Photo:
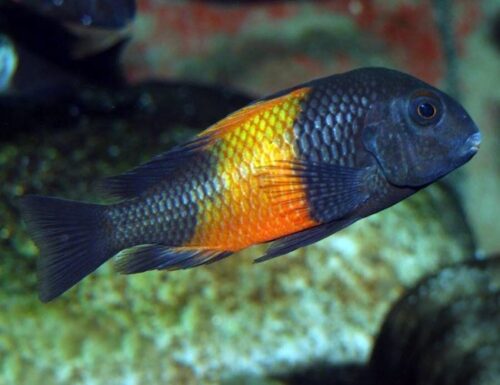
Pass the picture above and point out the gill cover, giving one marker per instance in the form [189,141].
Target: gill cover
[383,137]
[411,150]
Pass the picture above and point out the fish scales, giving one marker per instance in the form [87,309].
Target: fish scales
[174,213]
[167,215]
[331,139]
[242,213]
[233,162]
[289,169]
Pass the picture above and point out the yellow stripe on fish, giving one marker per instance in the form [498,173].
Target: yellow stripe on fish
[246,145]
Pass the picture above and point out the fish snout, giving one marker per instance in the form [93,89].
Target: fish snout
[471,145]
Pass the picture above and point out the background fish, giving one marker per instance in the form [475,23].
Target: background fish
[110,14]
[292,168]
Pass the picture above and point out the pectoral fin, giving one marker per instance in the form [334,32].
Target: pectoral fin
[332,192]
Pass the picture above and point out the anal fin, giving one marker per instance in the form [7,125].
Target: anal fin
[159,257]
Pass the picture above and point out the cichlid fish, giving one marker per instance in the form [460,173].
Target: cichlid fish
[289,169]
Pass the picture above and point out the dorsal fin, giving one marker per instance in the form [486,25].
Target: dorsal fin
[134,182]
[244,114]
[137,180]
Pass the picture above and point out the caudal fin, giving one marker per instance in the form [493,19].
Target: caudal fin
[71,240]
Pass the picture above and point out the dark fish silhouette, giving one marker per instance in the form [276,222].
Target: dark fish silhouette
[109,14]
[70,30]
[292,168]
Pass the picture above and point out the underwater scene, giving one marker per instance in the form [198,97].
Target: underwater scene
[249,192]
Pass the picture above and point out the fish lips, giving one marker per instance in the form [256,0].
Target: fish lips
[472,144]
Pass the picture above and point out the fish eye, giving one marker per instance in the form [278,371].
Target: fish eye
[425,109]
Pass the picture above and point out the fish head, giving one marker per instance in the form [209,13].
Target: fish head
[417,133]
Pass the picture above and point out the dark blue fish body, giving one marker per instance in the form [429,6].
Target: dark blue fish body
[289,169]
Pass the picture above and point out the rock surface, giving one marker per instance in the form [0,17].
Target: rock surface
[445,330]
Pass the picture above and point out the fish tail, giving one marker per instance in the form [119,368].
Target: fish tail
[71,239]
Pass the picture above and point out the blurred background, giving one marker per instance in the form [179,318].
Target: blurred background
[90,89]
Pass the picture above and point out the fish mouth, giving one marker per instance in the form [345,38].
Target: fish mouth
[471,145]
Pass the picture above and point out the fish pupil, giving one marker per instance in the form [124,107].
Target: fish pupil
[426,110]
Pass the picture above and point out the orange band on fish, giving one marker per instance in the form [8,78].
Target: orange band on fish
[243,213]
